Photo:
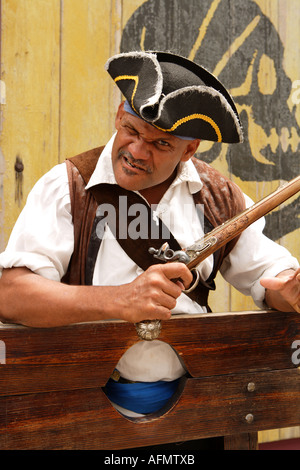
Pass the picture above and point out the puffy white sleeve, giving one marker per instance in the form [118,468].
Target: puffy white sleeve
[255,256]
[42,239]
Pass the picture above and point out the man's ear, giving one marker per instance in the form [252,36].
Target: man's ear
[119,115]
[190,149]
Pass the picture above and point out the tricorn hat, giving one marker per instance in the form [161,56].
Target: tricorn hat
[176,95]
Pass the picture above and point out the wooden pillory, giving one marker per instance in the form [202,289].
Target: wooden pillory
[243,376]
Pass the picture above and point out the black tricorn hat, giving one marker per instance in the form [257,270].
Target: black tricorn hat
[176,95]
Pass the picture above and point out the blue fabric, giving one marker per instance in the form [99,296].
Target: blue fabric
[141,397]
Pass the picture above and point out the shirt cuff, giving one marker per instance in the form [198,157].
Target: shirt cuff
[37,263]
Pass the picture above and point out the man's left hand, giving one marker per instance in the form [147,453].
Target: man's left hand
[283,291]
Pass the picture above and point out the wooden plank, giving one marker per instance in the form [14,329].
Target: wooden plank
[290,36]
[86,45]
[41,378]
[207,344]
[285,17]
[30,70]
[82,343]
[257,135]
[212,406]
[245,441]
[235,343]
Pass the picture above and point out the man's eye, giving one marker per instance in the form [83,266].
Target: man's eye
[163,143]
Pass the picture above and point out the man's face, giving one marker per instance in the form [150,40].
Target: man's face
[145,157]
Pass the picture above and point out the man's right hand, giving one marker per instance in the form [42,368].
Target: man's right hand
[153,294]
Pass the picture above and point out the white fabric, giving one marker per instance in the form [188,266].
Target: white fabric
[42,240]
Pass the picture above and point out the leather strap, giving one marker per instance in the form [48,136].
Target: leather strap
[154,234]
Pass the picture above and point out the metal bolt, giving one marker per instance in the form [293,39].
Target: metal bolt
[251,387]
[249,418]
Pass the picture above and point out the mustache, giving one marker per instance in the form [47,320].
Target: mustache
[134,161]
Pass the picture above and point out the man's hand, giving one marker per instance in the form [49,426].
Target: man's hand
[153,294]
[283,291]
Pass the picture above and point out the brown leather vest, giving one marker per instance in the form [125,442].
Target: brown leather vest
[222,199]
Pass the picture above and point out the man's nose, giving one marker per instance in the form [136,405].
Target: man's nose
[140,149]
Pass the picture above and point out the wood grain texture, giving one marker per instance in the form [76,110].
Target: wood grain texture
[30,39]
[52,396]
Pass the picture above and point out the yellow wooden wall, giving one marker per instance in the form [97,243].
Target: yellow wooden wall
[57,100]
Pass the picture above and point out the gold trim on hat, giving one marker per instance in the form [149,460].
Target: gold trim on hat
[194,116]
[135,78]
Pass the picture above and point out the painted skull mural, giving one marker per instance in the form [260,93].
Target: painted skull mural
[234,40]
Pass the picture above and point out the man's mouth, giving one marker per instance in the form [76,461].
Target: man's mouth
[134,164]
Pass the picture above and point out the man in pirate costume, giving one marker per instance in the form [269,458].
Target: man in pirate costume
[59,269]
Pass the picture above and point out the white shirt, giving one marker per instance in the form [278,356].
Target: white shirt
[42,240]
